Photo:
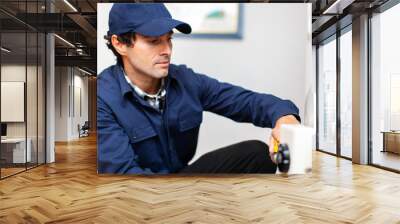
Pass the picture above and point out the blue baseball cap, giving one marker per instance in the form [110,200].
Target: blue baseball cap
[148,19]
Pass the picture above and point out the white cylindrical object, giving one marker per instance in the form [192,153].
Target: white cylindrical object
[299,139]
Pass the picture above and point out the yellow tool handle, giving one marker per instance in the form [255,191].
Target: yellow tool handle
[276,144]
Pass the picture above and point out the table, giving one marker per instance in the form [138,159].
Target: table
[13,150]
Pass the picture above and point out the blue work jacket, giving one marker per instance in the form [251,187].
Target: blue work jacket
[135,138]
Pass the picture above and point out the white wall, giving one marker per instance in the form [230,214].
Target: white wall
[68,81]
[61,103]
[17,72]
[274,56]
[33,126]
[80,83]
[14,72]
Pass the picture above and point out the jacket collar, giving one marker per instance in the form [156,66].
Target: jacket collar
[124,85]
[127,88]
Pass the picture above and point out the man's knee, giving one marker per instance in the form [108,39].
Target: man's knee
[259,152]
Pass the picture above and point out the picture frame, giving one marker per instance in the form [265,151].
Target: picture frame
[210,20]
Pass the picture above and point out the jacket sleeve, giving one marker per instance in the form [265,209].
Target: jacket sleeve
[115,153]
[242,105]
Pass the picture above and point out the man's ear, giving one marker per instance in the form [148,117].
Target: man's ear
[120,47]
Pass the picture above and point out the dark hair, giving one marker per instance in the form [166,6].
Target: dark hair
[125,38]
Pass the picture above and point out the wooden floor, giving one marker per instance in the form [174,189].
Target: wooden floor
[10,171]
[70,191]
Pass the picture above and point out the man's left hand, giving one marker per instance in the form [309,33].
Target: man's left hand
[275,135]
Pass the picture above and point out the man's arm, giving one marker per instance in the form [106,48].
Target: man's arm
[115,153]
[243,105]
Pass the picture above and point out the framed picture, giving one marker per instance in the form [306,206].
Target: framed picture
[210,20]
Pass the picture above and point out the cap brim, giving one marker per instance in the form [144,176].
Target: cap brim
[159,27]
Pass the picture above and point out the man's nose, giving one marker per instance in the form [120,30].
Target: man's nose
[166,48]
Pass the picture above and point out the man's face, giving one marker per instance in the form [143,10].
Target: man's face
[150,55]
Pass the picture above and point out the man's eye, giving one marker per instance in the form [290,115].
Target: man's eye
[153,41]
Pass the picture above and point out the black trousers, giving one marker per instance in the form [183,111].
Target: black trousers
[244,157]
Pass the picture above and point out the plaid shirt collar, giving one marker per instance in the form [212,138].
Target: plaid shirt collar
[152,99]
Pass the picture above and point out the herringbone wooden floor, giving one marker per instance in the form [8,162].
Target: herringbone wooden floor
[70,191]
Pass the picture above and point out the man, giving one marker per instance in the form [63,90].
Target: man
[149,111]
